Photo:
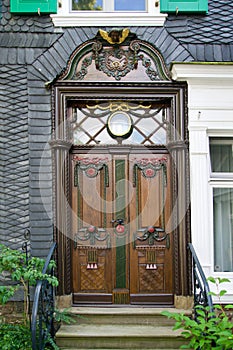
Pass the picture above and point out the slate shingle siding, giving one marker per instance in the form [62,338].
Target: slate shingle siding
[214,28]
[25,113]
[23,24]
[207,37]
[32,52]
[14,165]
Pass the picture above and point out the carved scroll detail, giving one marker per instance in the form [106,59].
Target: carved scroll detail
[91,167]
[149,167]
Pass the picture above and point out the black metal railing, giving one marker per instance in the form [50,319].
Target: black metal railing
[42,320]
[201,288]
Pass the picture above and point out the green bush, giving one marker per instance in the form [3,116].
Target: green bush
[23,272]
[15,337]
[209,330]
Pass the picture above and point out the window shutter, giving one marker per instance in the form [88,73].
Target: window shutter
[33,6]
[184,6]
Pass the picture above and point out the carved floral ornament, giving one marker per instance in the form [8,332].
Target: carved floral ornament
[115,54]
[91,167]
[150,167]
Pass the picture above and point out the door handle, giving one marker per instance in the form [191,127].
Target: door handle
[119,227]
[118,221]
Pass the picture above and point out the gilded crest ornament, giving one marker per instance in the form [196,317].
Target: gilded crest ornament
[115,36]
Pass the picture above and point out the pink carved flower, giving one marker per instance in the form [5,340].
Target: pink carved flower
[91,172]
[149,172]
[120,228]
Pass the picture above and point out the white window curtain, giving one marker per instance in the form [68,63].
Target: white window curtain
[223,229]
[221,156]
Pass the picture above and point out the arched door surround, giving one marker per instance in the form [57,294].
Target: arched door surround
[116,75]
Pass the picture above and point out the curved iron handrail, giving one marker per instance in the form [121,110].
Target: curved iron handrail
[43,308]
[201,287]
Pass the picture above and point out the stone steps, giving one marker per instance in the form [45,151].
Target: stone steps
[126,315]
[119,328]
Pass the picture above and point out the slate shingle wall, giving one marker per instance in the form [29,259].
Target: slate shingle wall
[14,165]
[11,23]
[25,114]
[40,165]
[215,27]
[25,167]
[207,37]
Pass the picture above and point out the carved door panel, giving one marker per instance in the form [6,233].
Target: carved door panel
[151,270]
[92,254]
[122,249]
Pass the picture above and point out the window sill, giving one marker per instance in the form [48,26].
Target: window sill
[122,19]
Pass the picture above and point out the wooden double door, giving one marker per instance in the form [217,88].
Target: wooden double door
[122,214]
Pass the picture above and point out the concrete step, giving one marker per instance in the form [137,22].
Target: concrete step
[120,328]
[118,336]
[124,315]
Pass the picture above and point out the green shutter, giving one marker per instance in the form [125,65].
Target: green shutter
[33,6]
[184,6]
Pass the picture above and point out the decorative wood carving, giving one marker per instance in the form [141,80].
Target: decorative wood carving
[120,296]
[151,279]
[91,167]
[92,279]
[149,167]
[153,234]
[115,36]
[116,54]
[92,235]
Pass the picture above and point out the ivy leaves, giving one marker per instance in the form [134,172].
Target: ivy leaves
[17,268]
[210,330]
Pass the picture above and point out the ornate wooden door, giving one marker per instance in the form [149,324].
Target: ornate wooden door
[115,104]
[121,200]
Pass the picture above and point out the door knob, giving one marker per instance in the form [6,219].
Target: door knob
[118,221]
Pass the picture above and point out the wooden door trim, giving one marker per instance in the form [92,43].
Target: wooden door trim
[64,94]
[152,299]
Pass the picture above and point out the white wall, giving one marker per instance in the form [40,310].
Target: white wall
[210,110]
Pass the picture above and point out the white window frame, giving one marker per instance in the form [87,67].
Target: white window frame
[68,18]
[108,5]
[217,180]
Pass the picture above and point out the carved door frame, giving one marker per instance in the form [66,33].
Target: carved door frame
[176,93]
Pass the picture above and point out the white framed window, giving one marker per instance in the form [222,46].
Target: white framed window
[108,13]
[109,5]
[221,181]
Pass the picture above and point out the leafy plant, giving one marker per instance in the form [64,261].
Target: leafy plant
[22,271]
[15,337]
[209,330]
[6,292]
[65,316]
[18,337]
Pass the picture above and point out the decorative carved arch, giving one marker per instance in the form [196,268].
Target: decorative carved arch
[127,59]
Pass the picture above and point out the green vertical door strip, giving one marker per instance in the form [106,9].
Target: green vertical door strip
[79,197]
[120,214]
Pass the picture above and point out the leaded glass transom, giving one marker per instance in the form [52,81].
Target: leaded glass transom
[149,123]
